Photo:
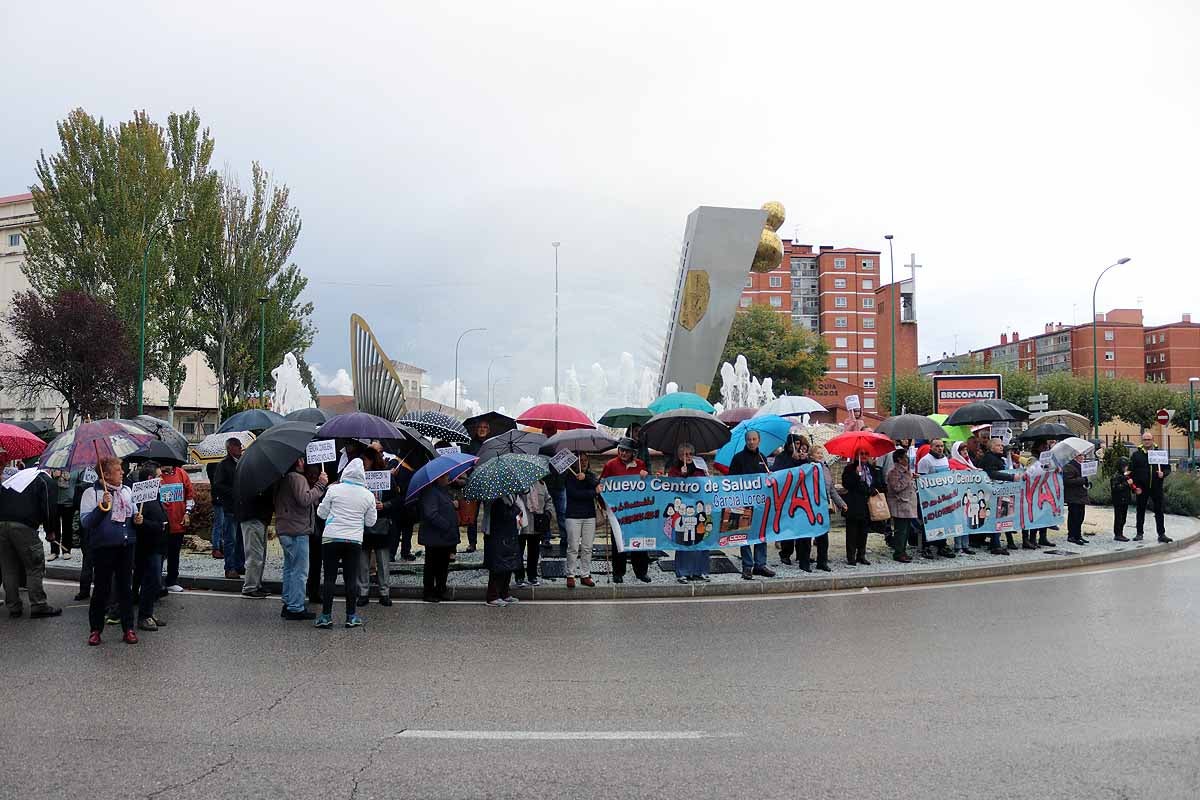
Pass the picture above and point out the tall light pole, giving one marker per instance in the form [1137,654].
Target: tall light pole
[489,378]
[555,246]
[262,345]
[1095,354]
[492,389]
[142,322]
[1192,422]
[892,312]
[456,344]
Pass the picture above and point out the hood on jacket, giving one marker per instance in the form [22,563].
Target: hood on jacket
[354,473]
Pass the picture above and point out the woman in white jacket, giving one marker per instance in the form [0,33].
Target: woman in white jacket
[347,509]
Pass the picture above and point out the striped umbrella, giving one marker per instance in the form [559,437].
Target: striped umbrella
[79,447]
[436,426]
[506,474]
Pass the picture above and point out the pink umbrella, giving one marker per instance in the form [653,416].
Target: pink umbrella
[559,416]
[733,416]
[18,444]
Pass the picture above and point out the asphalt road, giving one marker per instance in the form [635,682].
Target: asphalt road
[1080,685]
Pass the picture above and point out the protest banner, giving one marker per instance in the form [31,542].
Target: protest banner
[321,451]
[1158,457]
[379,480]
[965,502]
[659,513]
[170,493]
[563,461]
[145,491]
[1089,468]
[1041,498]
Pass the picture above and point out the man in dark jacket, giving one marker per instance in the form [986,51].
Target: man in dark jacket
[749,461]
[222,493]
[1075,493]
[21,513]
[148,554]
[1149,479]
[438,535]
[1122,495]
[993,463]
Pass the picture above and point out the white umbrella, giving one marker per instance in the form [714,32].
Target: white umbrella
[1067,449]
[212,448]
[788,406]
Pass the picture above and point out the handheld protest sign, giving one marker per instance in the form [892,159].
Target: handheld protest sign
[145,491]
[379,480]
[1089,468]
[563,460]
[321,451]
[1157,457]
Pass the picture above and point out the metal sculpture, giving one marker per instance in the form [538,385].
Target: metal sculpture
[378,388]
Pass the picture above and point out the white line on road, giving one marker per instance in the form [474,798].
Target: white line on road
[526,736]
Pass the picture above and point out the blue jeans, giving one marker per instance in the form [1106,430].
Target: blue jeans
[295,570]
[559,496]
[689,563]
[754,556]
[218,527]
[962,542]
[231,545]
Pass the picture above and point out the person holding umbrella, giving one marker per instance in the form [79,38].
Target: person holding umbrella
[438,534]
[1037,537]
[470,508]
[836,502]
[690,565]
[502,522]
[538,519]
[1075,494]
[230,547]
[581,525]
[625,462]
[377,538]
[107,513]
[348,508]
[993,463]
[295,502]
[794,454]
[148,554]
[749,461]
[179,515]
[862,480]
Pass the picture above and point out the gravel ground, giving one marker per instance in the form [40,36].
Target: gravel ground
[468,568]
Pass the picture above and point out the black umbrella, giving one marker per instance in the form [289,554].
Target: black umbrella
[980,413]
[252,419]
[314,415]
[515,441]
[1015,410]
[911,426]
[43,428]
[583,440]
[270,457]
[160,451]
[499,423]
[1046,430]
[666,431]
[165,433]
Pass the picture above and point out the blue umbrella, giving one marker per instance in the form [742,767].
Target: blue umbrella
[252,419]
[674,400]
[452,464]
[772,430]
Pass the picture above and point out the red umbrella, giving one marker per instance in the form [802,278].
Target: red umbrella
[732,416]
[559,416]
[849,443]
[18,444]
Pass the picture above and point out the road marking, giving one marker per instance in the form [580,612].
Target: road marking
[528,736]
[1052,574]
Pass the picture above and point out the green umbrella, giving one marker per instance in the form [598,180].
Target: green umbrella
[954,433]
[625,416]
[510,473]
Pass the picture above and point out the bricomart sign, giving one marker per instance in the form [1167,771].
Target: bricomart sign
[952,391]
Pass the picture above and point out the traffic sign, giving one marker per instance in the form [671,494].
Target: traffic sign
[1038,402]
[1163,416]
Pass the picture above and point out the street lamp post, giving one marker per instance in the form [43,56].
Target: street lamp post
[489,378]
[142,317]
[892,312]
[555,246]
[456,344]
[492,388]
[1192,422]
[1095,353]
[262,342]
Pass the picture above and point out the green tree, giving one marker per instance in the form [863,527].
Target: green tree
[794,358]
[914,393]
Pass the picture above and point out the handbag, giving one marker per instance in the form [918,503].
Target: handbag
[541,523]
[877,507]
[468,510]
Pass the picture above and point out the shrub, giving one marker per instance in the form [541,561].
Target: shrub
[1101,492]
[1182,494]
[1113,454]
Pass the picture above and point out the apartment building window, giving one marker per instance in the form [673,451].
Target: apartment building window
[839,283]
[839,263]
[841,363]
[868,363]
[1149,359]
[188,429]
[841,343]
[14,240]
[1110,373]
[776,301]
[745,302]
[1109,355]
[839,302]
[868,302]
[869,404]
[795,282]
[749,281]
[776,281]
[1109,336]
[869,343]
[868,322]
[868,283]
[1162,338]
[868,383]
[839,322]
[868,265]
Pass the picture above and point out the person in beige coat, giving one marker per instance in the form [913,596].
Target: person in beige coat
[295,517]
[902,502]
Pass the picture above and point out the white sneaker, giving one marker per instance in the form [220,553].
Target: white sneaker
[511,600]
[497,603]
[175,588]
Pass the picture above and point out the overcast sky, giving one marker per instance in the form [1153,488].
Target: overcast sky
[435,151]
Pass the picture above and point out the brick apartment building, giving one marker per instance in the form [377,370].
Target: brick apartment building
[838,293]
[1126,347]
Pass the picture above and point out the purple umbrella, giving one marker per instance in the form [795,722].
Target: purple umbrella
[359,425]
[80,447]
[452,464]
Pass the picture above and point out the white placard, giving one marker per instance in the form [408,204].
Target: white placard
[379,480]
[563,460]
[322,451]
[1089,468]
[445,451]
[700,463]
[1158,457]
[853,403]
[1044,457]
[1002,431]
[89,475]
[145,491]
